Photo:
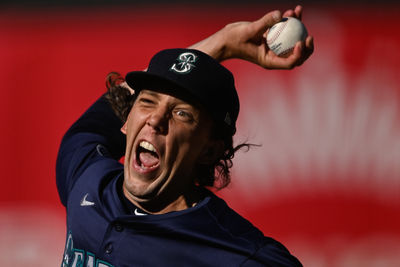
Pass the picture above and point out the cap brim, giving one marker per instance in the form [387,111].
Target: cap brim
[140,80]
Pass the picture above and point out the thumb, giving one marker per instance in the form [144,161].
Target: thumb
[262,24]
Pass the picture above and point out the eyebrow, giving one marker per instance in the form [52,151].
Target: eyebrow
[156,94]
[149,92]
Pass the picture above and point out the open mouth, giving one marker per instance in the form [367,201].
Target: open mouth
[146,156]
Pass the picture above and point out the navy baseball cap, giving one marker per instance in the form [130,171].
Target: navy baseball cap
[196,75]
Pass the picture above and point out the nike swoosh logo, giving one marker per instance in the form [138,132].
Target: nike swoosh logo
[138,213]
[85,202]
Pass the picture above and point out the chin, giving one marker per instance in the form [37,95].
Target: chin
[142,189]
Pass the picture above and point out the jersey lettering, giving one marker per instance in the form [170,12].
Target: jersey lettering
[103,264]
[89,259]
[79,258]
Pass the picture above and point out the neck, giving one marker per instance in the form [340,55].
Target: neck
[161,205]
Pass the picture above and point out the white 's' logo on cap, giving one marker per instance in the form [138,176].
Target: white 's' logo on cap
[185,64]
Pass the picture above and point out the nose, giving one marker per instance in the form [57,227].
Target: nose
[158,120]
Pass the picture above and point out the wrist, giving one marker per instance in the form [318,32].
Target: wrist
[214,46]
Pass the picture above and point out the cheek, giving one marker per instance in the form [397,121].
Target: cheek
[132,128]
[190,143]
[134,122]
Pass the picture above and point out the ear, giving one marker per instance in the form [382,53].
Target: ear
[123,128]
[212,152]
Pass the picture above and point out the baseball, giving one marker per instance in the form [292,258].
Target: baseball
[282,37]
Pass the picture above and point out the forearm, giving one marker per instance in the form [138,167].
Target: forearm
[214,46]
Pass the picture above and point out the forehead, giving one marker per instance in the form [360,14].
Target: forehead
[174,94]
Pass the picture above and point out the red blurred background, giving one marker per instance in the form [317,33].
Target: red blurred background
[326,179]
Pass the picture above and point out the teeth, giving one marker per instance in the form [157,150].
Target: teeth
[147,146]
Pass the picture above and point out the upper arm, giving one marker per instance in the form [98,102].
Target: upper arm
[272,253]
[94,135]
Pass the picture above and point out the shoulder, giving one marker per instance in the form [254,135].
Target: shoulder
[272,253]
[99,183]
[231,221]
[88,165]
[266,250]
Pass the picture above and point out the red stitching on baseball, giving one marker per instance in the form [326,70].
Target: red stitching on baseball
[277,33]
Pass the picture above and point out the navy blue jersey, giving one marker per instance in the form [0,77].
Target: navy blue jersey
[104,229]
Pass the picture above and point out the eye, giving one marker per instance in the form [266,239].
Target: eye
[183,115]
[145,100]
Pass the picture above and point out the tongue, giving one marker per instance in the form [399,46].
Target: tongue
[147,159]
